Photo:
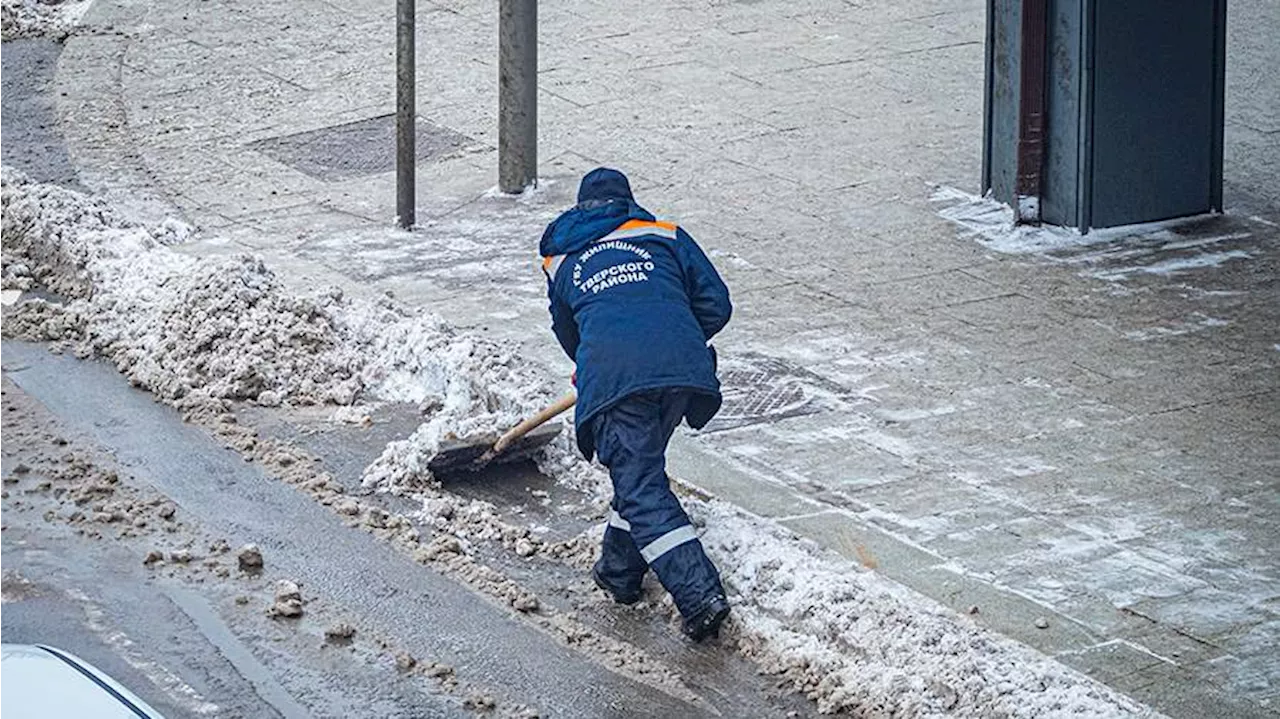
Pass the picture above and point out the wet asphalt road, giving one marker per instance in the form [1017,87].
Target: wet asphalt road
[92,603]
[182,643]
[390,594]
[185,654]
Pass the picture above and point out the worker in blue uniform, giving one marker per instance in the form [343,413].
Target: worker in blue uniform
[635,303]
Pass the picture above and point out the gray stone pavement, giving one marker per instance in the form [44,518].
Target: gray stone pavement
[1082,436]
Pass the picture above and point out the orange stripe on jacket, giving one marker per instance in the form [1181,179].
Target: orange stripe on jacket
[638,224]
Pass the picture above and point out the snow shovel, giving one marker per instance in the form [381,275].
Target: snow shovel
[518,442]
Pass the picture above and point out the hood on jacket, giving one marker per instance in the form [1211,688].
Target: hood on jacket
[604,202]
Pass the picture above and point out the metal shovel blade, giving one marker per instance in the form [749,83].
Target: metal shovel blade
[456,456]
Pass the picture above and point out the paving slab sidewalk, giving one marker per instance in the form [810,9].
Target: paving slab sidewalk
[1080,441]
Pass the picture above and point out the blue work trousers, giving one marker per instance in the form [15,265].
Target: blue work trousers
[648,527]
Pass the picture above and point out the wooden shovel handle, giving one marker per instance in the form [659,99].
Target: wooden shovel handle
[534,422]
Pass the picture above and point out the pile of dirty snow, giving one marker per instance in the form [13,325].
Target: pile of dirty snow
[52,19]
[468,386]
[188,328]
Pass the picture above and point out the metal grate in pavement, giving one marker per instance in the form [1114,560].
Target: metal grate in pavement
[359,149]
[759,389]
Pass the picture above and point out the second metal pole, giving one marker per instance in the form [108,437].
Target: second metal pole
[517,94]
[406,158]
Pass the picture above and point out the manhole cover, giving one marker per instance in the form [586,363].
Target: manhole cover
[760,389]
[358,149]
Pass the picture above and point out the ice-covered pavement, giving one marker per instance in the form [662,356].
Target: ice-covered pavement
[1078,438]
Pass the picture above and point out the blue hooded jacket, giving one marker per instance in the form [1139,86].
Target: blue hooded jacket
[634,303]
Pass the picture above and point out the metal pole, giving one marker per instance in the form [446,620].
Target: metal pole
[517,94]
[405,157]
[988,82]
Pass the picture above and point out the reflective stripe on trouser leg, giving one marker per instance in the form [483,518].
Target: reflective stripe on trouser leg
[631,440]
[621,565]
[688,574]
[667,542]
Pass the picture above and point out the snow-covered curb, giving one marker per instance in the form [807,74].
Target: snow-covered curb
[200,329]
[20,19]
[191,328]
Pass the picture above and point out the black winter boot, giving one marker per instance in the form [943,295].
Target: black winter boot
[706,621]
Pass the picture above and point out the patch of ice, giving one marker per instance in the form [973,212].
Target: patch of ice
[823,435]
[991,223]
[1197,322]
[1173,266]
[730,258]
[897,446]
[1027,466]
[174,687]
[914,414]
[1258,675]
[1157,241]
[534,193]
